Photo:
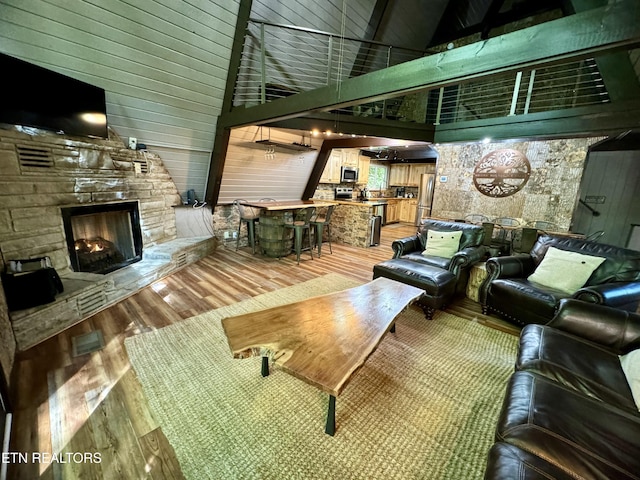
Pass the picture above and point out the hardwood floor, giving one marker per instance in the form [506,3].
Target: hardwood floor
[94,403]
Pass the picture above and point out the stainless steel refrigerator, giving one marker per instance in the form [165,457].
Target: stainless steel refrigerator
[425,196]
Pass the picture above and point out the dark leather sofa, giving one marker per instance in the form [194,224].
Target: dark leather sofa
[568,411]
[471,249]
[507,292]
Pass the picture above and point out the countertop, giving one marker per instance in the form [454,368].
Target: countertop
[291,205]
[370,201]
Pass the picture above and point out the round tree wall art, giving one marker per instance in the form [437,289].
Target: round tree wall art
[501,173]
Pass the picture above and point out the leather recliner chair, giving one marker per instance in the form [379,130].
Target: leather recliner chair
[507,292]
[471,249]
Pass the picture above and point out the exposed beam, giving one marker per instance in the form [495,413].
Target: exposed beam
[605,119]
[325,151]
[221,138]
[618,74]
[576,36]
[347,124]
[369,34]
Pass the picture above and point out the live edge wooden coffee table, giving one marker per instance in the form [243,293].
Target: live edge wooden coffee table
[323,340]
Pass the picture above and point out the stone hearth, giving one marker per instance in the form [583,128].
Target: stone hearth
[42,173]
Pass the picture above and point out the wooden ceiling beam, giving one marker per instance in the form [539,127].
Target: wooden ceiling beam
[592,121]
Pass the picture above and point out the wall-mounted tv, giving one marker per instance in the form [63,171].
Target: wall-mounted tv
[37,97]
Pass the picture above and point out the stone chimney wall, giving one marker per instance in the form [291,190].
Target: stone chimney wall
[41,172]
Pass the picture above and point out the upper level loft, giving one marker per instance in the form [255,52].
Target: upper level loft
[557,77]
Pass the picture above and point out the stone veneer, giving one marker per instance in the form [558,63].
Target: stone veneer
[40,173]
[350,225]
[550,194]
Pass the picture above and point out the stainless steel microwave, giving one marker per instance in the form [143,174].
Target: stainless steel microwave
[348,174]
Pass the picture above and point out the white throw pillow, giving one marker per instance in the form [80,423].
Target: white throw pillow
[442,244]
[631,367]
[565,271]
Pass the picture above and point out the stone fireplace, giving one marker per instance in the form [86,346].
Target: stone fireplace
[104,214]
[103,238]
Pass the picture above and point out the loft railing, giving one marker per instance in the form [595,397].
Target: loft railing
[282,60]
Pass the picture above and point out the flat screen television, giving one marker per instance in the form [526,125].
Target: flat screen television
[37,97]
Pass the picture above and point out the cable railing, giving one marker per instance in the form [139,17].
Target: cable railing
[281,60]
[569,85]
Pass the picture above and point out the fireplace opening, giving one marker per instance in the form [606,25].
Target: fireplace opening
[103,238]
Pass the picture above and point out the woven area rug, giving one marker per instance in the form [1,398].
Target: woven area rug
[425,404]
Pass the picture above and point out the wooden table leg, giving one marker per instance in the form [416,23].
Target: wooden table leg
[330,428]
[265,366]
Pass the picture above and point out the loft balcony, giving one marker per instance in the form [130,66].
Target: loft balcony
[280,61]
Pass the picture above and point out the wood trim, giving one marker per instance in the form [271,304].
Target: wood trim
[605,119]
[221,139]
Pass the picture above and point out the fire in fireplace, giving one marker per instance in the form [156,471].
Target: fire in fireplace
[103,238]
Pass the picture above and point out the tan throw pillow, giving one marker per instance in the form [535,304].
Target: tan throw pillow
[442,244]
[630,364]
[565,271]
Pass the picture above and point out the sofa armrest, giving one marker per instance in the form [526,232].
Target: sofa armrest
[405,245]
[615,294]
[466,257]
[611,327]
[514,266]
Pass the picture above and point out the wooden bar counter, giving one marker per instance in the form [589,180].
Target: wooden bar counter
[271,231]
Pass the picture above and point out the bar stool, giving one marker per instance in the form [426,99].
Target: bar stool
[250,216]
[299,227]
[319,222]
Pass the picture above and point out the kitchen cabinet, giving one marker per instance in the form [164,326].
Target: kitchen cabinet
[392,211]
[418,169]
[363,169]
[398,175]
[350,157]
[408,209]
[331,173]
[409,175]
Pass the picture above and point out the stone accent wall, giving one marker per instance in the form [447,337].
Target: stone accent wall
[349,225]
[7,340]
[41,173]
[550,194]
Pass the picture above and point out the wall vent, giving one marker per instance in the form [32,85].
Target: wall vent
[37,157]
[141,166]
[181,259]
[91,302]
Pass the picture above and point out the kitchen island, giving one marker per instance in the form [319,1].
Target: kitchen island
[275,241]
[351,221]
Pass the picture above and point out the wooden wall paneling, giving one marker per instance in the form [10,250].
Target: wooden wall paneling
[251,173]
[304,53]
[615,176]
[163,67]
